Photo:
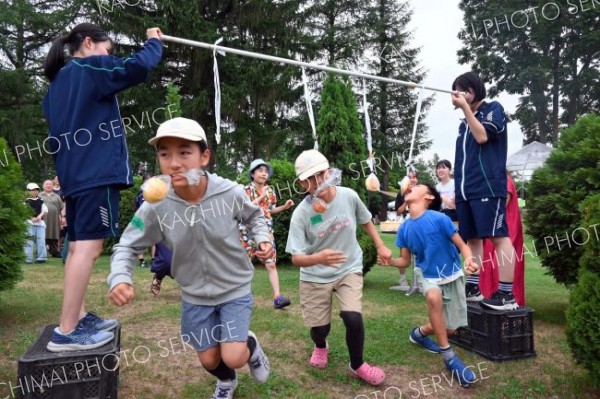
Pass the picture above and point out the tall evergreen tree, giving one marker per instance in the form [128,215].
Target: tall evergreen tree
[339,130]
[26,27]
[394,106]
[548,53]
[335,31]
[257,97]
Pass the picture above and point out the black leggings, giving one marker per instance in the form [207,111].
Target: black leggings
[355,336]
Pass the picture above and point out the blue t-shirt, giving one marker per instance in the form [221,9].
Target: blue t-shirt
[428,237]
[86,135]
[480,169]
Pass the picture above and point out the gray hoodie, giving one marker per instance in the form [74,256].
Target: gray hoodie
[209,262]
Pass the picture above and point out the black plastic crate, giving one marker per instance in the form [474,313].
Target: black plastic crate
[90,374]
[497,335]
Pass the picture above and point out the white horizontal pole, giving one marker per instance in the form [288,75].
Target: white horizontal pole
[251,54]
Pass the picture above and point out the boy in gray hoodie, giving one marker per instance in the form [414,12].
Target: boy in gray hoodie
[200,225]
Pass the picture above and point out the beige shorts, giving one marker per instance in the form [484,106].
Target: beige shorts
[317,299]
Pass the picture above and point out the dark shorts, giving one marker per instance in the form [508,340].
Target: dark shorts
[451,213]
[93,214]
[482,218]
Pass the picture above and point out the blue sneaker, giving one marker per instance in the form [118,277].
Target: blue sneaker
[281,302]
[427,343]
[79,339]
[92,321]
[465,376]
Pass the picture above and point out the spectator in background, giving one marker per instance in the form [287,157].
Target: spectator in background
[56,187]
[160,266]
[446,189]
[36,226]
[52,218]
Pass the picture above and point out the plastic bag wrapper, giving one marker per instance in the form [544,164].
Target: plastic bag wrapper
[156,188]
[404,184]
[333,177]
[372,183]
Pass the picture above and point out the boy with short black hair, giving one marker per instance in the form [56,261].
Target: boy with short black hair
[432,237]
[199,223]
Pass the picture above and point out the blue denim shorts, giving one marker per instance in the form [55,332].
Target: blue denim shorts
[205,327]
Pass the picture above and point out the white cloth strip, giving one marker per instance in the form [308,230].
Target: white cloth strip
[415,125]
[368,126]
[309,108]
[217,91]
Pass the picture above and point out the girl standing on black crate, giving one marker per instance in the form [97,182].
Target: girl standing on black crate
[87,141]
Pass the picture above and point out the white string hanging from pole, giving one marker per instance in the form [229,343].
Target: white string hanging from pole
[309,108]
[405,182]
[368,126]
[415,126]
[217,91]
[372,182]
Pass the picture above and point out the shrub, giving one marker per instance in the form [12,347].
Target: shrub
[13,219]
[583,313]
[555,192]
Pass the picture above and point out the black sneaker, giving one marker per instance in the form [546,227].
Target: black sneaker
[143,263]
[472,293]
[501,301]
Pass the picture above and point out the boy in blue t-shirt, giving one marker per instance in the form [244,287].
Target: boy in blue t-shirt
[433,238]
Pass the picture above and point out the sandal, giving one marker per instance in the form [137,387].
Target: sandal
[370,374]
[319,357]
[155,286]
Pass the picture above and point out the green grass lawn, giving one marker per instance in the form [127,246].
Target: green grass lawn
[155,364]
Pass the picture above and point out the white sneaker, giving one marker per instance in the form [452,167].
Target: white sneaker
[225,389]
[258,362]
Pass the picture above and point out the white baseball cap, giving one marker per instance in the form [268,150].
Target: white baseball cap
[310,162]
[182,128]
[32,186]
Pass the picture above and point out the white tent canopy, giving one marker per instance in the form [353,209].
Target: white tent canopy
[528,158]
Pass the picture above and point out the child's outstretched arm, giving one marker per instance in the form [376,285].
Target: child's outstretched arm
[470,265]
[288,204]
[383,252]
[142,232]
[402,262]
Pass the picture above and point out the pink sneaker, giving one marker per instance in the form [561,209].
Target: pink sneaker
[319,357]
[371,374]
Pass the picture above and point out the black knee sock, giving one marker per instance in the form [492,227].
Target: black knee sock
[355,337]
[319,335]
[223,372]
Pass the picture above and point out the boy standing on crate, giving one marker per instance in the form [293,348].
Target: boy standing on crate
[433,238]
[199,223]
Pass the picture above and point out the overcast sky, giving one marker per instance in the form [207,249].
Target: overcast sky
[435,25]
